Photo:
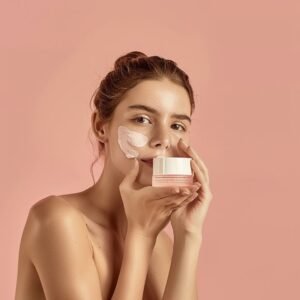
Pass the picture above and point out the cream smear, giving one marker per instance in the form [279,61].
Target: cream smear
[128,138]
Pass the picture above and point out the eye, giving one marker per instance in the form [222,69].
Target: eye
[141,118]
[183,127]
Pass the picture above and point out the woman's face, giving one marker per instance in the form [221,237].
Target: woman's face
[148,122]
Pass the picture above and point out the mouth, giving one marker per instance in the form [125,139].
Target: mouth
[148,162]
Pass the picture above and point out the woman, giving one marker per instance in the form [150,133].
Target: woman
[107,242]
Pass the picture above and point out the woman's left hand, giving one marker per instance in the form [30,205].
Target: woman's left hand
[190,217]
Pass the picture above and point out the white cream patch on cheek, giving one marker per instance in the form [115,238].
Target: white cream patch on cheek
[128,138]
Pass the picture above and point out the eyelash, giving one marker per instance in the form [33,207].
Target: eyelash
[142,117]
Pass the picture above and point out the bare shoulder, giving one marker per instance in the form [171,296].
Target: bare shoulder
[51,206]
[51,214]
[56,243]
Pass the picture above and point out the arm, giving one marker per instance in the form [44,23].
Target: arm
[137,254]
[58,246]
[182,279]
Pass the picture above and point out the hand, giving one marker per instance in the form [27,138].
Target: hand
[190,218]
[149,208]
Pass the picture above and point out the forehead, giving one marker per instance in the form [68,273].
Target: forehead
[163,95]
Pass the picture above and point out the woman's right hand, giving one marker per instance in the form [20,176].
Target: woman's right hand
[148,209]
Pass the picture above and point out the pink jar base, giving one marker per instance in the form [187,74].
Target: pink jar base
[172,180]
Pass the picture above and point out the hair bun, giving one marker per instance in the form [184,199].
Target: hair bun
[131,56]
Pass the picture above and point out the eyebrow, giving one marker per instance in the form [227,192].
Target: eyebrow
[154,111]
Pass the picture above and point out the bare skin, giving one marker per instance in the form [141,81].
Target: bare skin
[73,245]
[105,254]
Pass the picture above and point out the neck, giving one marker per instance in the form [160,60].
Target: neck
[105,200]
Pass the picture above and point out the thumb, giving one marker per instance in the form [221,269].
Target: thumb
[132,174]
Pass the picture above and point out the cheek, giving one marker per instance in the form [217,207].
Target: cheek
[176,136]
[127,139]
[121,163]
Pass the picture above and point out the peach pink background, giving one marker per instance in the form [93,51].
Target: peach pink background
[243,61]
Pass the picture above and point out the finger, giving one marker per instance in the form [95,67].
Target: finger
[184,202]
[200,177]
[132,174]
[174,201]
[193,154]
[190,189]
[189,199]
[161,191]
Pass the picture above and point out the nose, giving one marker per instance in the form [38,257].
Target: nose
[161,139]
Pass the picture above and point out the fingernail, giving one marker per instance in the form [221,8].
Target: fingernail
[185,192]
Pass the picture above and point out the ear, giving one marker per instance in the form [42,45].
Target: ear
[99,128]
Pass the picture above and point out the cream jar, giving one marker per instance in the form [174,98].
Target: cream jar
[172,171]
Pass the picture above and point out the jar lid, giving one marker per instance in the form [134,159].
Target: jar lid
[163,165]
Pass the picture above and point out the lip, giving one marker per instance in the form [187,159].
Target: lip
[148,161]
